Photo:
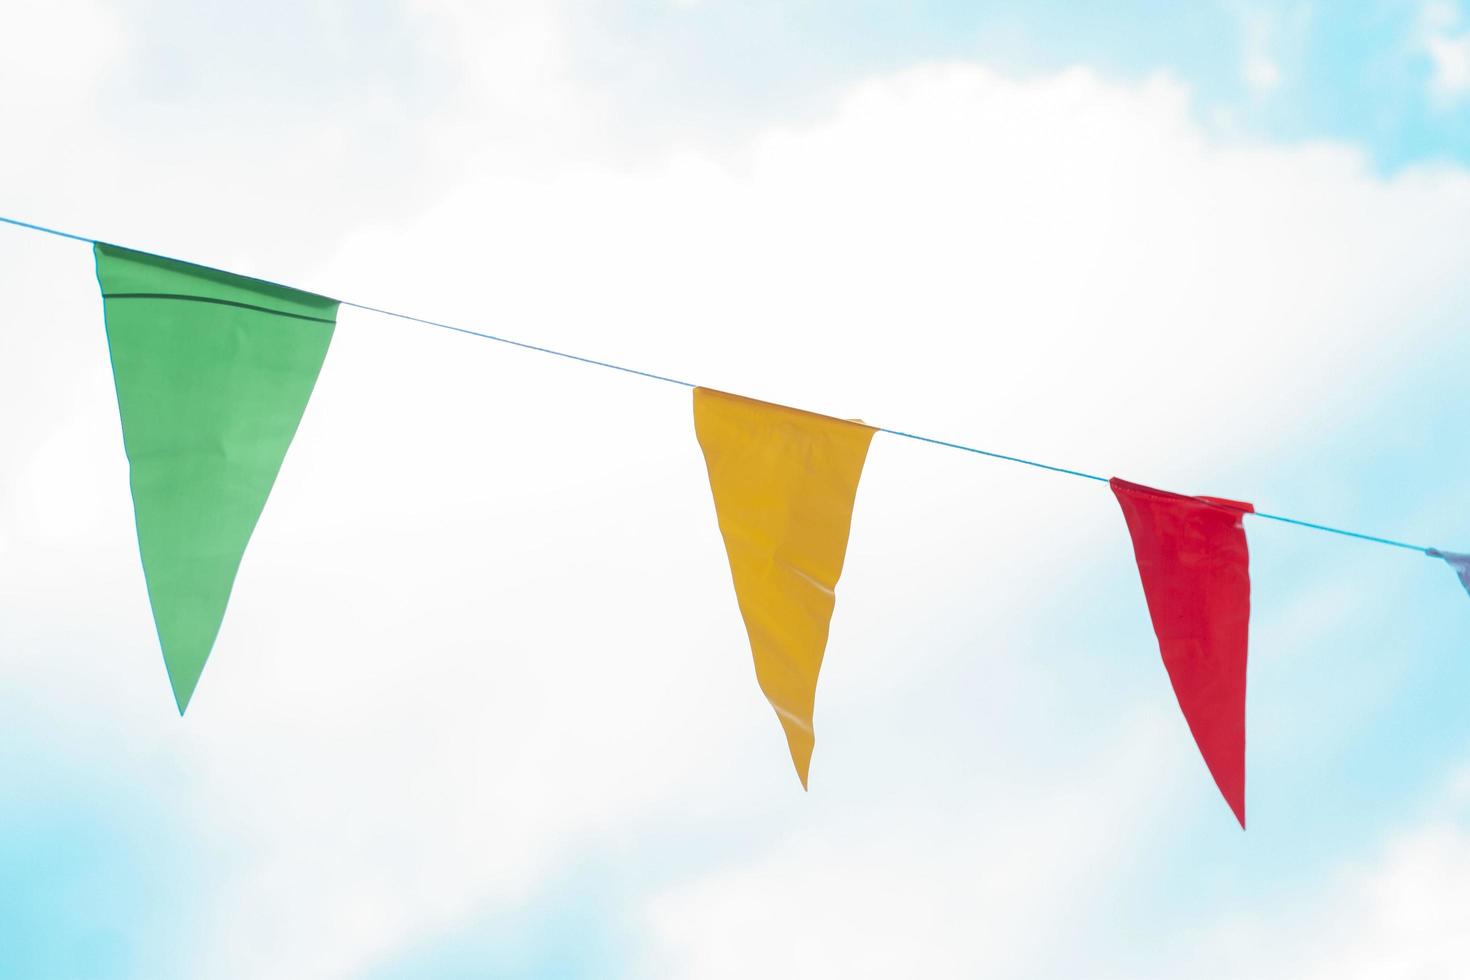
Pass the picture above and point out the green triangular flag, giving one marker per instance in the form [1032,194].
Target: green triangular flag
[213,373]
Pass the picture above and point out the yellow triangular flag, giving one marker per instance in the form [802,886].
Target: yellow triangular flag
[784,482]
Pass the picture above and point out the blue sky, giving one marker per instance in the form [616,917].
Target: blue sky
[1359,72]
[482,705]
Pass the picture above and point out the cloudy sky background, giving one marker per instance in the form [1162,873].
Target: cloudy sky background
[483,703]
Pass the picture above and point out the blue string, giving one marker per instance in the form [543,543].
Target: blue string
[520,343]
[1350,534]
[48,231]
[402,316]
[675,381]
[986,452]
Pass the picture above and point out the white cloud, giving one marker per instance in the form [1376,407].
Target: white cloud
[485,625]
[904,891]
[1400,913]
[1448,49]
[1451,58]
[1406,916]
[916,887]
[1258,66]
[1260,72]
[57,52]
[1272,41]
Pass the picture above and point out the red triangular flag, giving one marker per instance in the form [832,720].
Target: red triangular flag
[1196,577]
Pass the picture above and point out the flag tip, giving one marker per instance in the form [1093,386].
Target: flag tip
[182,696]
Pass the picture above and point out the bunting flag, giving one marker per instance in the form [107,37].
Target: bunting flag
[1192,557]
[784,482]
[1460,563]
[213,372]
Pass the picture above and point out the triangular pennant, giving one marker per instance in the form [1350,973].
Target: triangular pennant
[784,482]
[213,373]
[1192,557]
[1460,563]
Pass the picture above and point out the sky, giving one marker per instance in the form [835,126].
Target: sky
[482,704]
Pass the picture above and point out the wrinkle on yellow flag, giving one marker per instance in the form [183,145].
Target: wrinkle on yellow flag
[784,481]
